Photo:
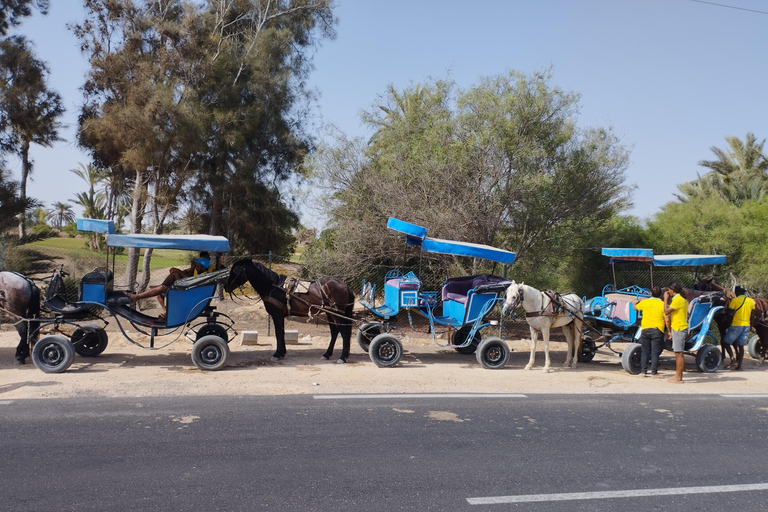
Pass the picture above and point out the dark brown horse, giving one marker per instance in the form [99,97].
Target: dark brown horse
[759,322]
[328,296]
[722,317]
[21,298]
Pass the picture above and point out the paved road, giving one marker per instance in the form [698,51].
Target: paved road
[324,453]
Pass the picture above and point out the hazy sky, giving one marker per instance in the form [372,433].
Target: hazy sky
[671,77]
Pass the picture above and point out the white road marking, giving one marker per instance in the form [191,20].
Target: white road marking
[5,402]
[422,395]
[744,396]
[637,493]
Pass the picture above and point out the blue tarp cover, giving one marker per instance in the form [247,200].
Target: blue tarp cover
[417,235]
[181,242]
[96,225]
[466,249]
[667,260]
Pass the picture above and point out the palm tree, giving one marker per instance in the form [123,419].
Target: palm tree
[29,109]
[61,214]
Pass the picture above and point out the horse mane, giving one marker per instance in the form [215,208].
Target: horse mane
[272,277]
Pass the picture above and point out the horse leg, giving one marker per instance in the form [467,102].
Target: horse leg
[346,336]
[279,322]
[22,349]
[545,340]
[568,333]
[534,339]
[334,332]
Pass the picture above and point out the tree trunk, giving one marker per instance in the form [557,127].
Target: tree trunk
[25,168]
[137,211]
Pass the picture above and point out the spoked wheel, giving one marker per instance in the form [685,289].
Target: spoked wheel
[89,340]
[460,337]
[385,350]
[212,329]
[630,358]
[366,333]
[493,353]
[53,354]
[210,353]
[588,349]
[708,358]
[755,347]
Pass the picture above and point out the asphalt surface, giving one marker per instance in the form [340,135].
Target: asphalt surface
[384,453]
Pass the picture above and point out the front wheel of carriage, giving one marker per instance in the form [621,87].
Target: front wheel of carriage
[708,358]
[754,347]
[588,349]
[385,350]
[460,338]
[53,354]
[210,353]
[89,340]
[366,333]
[493,353]
[630,358]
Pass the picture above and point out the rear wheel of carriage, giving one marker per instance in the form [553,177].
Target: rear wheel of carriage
[460,337]
[588,349]
[210,353]
[53,354]
[630,358]
[755,347]
[493,353]
[366,333]
[385,350]
[212,329]
[708,358]
[89,340]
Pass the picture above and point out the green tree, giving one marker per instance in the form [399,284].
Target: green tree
[501,163]
[11,12]
[61,214]
[29,111]
[11,205]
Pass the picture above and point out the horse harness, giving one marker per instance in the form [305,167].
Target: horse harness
[292,286]
[555,307]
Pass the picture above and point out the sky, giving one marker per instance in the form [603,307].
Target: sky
[671,78]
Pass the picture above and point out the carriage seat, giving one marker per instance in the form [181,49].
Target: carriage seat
[404,284]
[622,312]
[204,279]
[458,288]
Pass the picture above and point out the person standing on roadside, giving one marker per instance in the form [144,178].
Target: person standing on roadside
[736,334]
[652,331]
[676,306]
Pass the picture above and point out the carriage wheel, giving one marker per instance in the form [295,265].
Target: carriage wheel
[630,358]
[493,353]
[588,349]
[213,329]
[460,337]
[210,353]
[755,347]
[385,350]
[708,358]
[89,340]
[53,354]
[366,333]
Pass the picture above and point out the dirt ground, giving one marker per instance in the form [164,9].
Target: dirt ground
[127,370]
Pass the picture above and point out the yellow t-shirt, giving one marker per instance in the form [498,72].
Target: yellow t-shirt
[743,306]
[679,316]
[653,313]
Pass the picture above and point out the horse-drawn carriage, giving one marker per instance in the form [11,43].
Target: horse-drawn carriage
[187,300]
[462,306]
[612,317]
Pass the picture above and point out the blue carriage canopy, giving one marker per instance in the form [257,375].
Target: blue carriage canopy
[667,260]
[141,241]
[417,235]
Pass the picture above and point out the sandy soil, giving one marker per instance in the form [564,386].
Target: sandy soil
[127,370]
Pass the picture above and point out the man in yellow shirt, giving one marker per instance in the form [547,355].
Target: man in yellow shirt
[742,307]
[652,331]
[676,306]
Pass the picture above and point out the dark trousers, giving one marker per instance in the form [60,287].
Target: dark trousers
[652,343]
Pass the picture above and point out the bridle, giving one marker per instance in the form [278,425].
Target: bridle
[516,300]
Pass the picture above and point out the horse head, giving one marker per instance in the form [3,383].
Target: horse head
[238,275]
[513,298]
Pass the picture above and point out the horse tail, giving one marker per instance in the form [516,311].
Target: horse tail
[33,311]
[350,305]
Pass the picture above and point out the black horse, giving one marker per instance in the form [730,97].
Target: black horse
[328,296]
[21,298]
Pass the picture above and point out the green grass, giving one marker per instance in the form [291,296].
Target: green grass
[76,248]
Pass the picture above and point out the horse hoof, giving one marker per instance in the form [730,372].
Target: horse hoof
[527,367]
[341,361]
[275,359]
[545,370]
[324,357]
[19,362]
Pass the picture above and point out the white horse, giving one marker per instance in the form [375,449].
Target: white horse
[543,314]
